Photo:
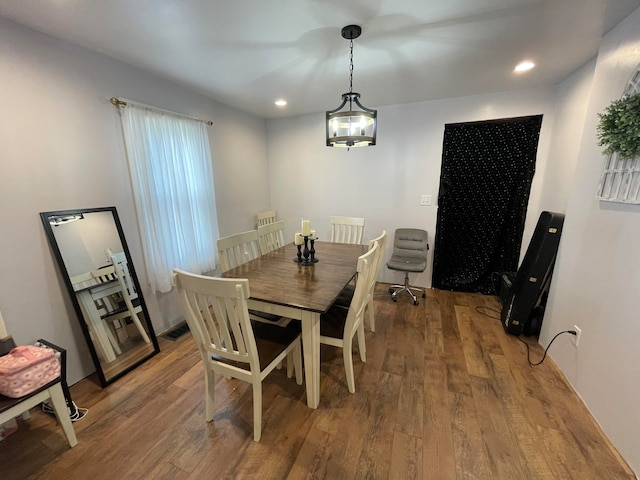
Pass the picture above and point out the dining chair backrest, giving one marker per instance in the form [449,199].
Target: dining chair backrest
[382,242]
[265,218]
[104,274]
[237,249]
[271,236]
[347,229]
[121,270]
[83,280]
[218,318]
[366,278]
[109,302]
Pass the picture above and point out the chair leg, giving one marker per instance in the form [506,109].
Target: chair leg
[209,387]
[372,319]
[257,410]
[395,289]
[290,365]
[59,404]
[141,330]
[347,355]
[362,346]
[294,363]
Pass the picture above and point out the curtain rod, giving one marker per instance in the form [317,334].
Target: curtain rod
[122,102]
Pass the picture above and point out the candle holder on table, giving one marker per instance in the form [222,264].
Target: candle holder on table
[307,255]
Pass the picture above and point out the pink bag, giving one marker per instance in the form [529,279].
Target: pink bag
[27,368]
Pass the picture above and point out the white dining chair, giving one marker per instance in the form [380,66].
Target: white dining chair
[347,229]
[229,342]
[271,236]
[265,218]
[132,306]
[234,250]
[338,325]
[344,299]
[237,249]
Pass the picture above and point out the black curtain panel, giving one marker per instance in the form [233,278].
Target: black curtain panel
[487,169]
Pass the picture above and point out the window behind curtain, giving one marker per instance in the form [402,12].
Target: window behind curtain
[172,177]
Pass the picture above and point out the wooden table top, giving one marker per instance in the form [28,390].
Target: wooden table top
[276,278]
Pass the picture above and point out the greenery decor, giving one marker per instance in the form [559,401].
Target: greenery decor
[619,127]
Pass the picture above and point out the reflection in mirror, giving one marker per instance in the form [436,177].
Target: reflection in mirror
[94,260]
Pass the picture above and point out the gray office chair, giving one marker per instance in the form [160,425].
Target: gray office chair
[410,247]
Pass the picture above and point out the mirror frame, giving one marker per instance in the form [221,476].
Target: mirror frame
[74,300]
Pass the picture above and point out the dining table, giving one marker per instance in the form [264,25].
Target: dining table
[281,286]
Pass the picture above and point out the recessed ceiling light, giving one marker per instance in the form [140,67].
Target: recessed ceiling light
[524,66]
[281,102]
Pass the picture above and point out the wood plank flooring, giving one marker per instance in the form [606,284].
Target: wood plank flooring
[444,394]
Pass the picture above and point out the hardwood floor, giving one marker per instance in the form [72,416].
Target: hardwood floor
[444,394]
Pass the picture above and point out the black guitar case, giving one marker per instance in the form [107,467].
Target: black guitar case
[524,304]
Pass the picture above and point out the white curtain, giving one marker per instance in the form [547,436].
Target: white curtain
[172,177]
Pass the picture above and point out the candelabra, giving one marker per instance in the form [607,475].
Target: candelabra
[307,255]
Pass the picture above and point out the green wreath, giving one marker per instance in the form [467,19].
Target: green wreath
[619,127]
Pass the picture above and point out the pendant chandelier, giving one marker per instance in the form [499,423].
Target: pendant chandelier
[351,124]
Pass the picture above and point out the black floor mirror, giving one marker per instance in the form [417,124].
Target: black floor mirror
[91,251]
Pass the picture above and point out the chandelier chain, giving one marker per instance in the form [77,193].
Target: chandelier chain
[350,66]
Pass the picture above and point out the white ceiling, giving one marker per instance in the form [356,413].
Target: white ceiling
[248,53]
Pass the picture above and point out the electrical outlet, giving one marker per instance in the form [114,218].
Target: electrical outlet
[425,200]
[576,337]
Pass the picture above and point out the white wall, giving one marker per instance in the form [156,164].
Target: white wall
[61,148]
[384,183]
[597,275]
[572,100]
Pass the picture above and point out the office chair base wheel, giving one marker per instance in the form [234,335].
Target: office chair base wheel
[394,290]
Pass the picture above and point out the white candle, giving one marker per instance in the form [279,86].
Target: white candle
[312,235]
[298,239]
[306,227]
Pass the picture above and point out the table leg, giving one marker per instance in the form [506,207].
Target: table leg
[311,350]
